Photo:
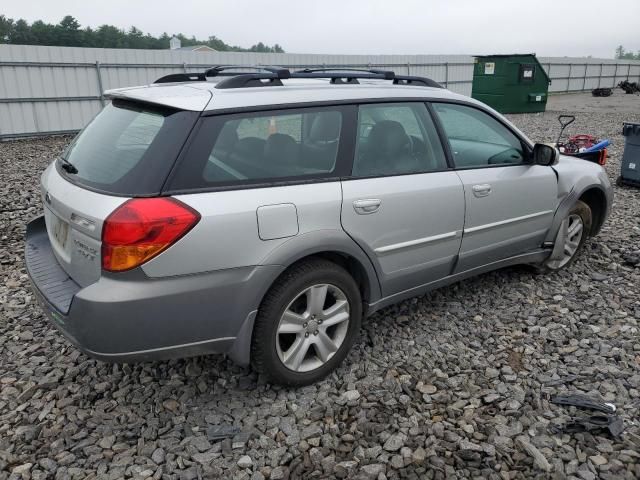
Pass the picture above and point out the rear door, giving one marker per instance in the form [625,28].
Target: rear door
[510,202]
[402,204]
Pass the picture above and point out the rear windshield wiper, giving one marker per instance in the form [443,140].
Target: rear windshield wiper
[67,166]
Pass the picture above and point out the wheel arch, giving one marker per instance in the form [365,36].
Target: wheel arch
[596,200]
[332,245]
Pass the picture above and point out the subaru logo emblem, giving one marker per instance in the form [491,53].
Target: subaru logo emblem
[47,198]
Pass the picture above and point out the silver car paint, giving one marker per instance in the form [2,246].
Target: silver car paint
[409,238]
[183,97]
[228,237]
[510,214]
[221,269]
[575,177]
[84,211]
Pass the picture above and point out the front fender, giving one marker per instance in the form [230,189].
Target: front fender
[575,177]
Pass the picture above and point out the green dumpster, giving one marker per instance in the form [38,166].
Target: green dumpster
[511,83]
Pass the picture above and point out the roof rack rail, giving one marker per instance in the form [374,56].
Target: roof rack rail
[267,76]
[413,80]
[220,70]
[351,76]
[268,72]
[182,77]
[388,74]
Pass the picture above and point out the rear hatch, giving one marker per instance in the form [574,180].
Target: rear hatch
[126,151]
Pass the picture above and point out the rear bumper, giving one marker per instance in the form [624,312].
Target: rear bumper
[131,317]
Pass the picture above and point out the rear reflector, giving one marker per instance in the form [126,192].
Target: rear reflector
[141,228]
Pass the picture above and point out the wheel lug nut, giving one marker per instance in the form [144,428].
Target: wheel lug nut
[319,321]
[306,334]
[304,325]
[316,332]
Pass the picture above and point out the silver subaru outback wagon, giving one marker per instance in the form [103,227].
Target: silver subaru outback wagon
[263,213]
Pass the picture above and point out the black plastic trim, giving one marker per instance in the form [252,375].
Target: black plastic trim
[51,281]
[182,77]
[444,140]
[250,80]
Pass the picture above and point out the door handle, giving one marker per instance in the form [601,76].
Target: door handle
[367,206]
[481,190]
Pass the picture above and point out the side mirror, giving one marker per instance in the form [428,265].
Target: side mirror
[545,154]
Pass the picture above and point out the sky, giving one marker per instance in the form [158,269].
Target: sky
[545,27]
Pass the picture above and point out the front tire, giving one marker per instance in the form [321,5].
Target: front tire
[573,233]
[306,323]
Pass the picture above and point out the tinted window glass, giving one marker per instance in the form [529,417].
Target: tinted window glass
[128,148]
[476,138]
[258,146]
[396,138]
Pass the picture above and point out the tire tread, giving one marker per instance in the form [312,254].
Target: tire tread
[270,306]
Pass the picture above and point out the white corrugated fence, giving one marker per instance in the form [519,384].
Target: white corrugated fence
[47,90]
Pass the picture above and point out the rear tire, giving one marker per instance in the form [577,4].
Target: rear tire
[577,228]
[306,324]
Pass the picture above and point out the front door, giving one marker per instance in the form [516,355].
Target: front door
[401,204]
[509,201]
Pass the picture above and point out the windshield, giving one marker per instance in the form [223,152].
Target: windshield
[128,148]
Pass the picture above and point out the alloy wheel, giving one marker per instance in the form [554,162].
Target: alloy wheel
[313,327]
[574,229]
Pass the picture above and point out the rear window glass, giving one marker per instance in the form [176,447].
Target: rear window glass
[128,148]
[258,147]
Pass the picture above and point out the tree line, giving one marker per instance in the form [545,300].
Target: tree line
[622,53]
[69,33]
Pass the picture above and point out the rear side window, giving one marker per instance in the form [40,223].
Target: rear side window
[260,147]
[396,139]
[129,148]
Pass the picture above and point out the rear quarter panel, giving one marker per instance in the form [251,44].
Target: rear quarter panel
[227,236]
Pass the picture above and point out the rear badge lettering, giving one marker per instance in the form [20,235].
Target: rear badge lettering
[85,250]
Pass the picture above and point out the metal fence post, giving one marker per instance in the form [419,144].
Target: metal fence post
[600,75]
[628,71]
[569,77]
[99,77]
[584,79]
[184,67]
[446,74]
[615,75]
[408,68]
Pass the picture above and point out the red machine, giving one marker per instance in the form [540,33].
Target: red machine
[577,144]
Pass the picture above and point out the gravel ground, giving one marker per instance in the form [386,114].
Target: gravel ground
[455,383]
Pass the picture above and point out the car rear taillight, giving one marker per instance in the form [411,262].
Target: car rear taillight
[141,228]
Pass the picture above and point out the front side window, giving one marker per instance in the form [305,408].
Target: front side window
[396,139]
[477,139]
[262,146]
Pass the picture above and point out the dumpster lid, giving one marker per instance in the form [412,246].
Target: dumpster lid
[506,55]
